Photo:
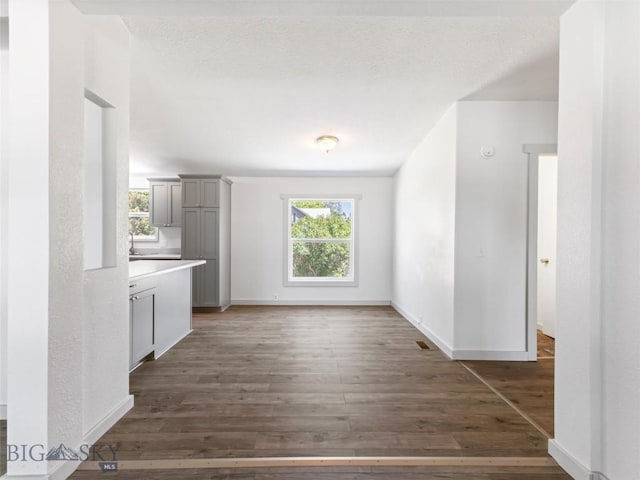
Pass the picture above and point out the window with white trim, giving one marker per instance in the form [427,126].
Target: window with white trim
[321,241]
[139,222]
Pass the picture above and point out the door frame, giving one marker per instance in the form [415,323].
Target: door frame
[533,151]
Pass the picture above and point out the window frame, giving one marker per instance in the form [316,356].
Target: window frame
[291,281]
[150,239]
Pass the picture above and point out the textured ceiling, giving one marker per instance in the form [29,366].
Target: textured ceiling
[248,95]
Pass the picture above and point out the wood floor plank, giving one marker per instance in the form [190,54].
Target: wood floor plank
[323,382]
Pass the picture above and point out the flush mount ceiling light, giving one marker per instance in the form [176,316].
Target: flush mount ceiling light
[327,142]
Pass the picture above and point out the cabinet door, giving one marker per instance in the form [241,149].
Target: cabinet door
[210,192]
[158,204]
[209,281]
[175,204]
[209,245]
[142,309]
[191,233]
[191,193]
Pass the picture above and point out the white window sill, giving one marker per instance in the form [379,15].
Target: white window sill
[321,283]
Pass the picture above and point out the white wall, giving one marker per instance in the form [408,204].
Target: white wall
[106,310]
[257,243]
[621,246]
[68,329]
[597,355]
[28,291]
[424,227]
[4,198]
[577,385]
[491,221]
[460,249]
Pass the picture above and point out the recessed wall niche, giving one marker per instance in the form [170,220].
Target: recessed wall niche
[99,196]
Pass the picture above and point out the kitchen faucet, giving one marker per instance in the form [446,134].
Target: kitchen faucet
[131,251]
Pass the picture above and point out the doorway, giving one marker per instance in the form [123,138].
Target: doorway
[547,234]
[541,246]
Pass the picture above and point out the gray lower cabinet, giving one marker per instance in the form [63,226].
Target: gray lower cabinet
[205,291]
[159,313]
[206,225]
[141,316]
[173,309]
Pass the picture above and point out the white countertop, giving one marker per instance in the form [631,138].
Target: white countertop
[149,268]
[155,256]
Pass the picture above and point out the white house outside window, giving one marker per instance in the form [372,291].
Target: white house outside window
[321,240]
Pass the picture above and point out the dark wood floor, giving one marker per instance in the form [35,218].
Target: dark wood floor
[546,346]
[529,385]
[319,381]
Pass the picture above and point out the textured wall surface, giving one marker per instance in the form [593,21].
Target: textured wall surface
[621,246]
[66,321]
[105,346]
[578,333]
[69,328]
[4,200]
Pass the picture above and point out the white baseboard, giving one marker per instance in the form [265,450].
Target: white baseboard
[441,344]
[572,465]
[495,355]
[92,436]
[452,353]
[312,303]
[3,412]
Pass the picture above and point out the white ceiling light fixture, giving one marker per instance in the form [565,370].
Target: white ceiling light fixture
[327,142]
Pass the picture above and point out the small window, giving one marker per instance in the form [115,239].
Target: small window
[321,242]
[139,216]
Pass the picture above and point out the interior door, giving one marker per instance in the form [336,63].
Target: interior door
[547,237]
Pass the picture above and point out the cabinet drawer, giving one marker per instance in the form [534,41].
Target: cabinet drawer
[141,319]
[137,286]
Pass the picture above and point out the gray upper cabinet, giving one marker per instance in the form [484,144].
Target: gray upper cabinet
[165,202]
[191,193]
[175,204]
[206,226]
[200,192]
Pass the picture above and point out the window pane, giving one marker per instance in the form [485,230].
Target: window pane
[330,260]
[320,219]
[140,227]
[139,200]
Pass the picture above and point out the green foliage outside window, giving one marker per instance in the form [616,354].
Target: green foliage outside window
[321,259]
[139,201]
[139,214]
